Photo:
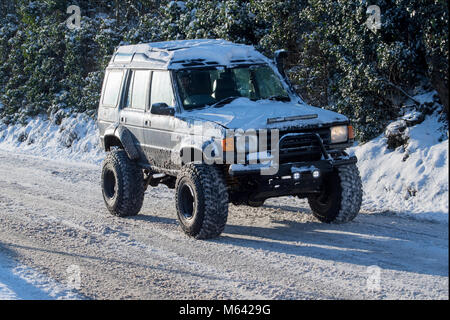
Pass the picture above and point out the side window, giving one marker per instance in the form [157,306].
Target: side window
[162,88]
[137,94]
[112,87]
[129,91]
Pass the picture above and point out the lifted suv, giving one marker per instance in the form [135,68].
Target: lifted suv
[220,123]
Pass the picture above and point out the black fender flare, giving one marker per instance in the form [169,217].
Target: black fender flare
[126,140]
[203,151]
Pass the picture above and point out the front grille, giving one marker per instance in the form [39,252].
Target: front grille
[298,148]
[295,148]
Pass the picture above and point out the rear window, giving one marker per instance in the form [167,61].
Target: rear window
[112,87]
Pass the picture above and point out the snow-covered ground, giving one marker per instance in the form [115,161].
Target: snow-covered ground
[53,217]
[20,282]
[74,139]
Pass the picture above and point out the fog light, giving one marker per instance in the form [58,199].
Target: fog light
[296,176]
[316,174]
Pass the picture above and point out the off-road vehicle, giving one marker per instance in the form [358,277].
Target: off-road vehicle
[218,122]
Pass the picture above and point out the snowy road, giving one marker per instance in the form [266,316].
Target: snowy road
[52,217]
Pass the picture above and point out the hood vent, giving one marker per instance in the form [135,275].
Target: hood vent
[293,118]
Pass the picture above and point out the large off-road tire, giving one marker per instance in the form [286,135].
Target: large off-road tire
[341,196]
[201,201]
[122,184]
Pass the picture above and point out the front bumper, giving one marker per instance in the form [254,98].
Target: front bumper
[324,166]
[297,178]
[273,167]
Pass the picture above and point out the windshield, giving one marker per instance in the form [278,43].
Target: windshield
[201,87]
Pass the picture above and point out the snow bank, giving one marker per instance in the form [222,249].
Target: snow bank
[410,180]
[76,138]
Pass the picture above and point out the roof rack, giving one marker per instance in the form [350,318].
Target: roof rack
[187,53]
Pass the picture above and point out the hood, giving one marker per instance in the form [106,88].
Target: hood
[245,114]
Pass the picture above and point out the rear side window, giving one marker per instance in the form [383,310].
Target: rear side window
[112,87]
[138,90]
[162,88]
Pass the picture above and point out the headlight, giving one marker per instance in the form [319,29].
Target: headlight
[339,134]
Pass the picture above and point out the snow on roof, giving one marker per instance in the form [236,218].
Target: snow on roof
[188,53]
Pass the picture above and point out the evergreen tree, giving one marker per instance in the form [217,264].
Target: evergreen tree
[335,61]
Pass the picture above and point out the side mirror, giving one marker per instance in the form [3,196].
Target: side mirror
[280,55]
[162,109]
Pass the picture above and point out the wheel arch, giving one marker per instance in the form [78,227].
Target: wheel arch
[121,137]
[190,154]
[112,141]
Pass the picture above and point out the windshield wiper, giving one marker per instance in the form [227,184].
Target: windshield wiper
[279,98]
[225,101]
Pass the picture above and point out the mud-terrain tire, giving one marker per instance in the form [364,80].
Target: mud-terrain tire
[122,184]
[341,196]
[201,201]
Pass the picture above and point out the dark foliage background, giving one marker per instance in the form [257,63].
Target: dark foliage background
[336,62]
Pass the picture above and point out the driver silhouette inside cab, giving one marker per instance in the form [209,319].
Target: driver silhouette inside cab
[195,88]
[225,86]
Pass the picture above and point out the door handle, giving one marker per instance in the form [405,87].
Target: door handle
[123,119]
[147,123]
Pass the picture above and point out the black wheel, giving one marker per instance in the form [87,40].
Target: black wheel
[341,196]
[201,201]
[122,184]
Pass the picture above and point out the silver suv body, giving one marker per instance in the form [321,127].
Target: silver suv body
[177,104]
